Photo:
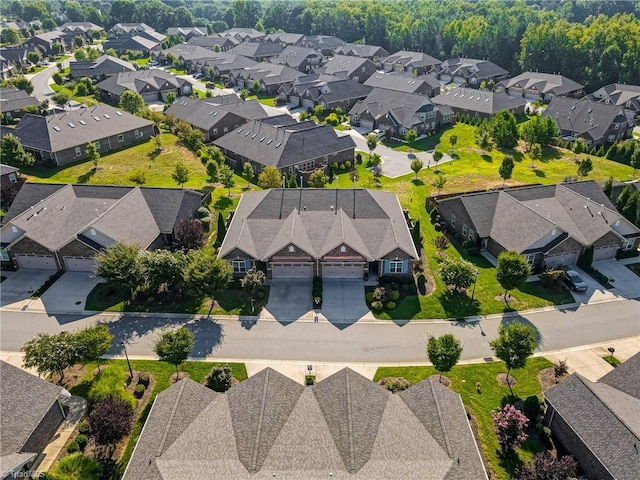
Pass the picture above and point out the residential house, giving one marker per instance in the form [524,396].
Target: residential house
[183,54]
[85,29]
[479,103]
[627,96]
[470,71]
[258,51]
[328,233]
[597,123]
[187,33]
[243,34]
[343,427]
[154,85]
[541,86]
[355,68]
[223,44]
[12,102]
[283,38]
[30,413]
[138,37]
[62,227]
[373,52]
[597,422]
[283,143]
[224,63]
[216,119]
[406,82]
[325,44]
[551,225]
[397,112]
[11,60]
[43,42]
[270,76]
[59,139]
[100,68]
[413,62]
[327,90]
[301,58]
[17,25]
[617,188]
[8,174]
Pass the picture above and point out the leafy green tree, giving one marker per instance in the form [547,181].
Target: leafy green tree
[60,99]
[92,343]
[80,55]
[180,174]
[221,229]
[174,346]
[270,178]
[512,270]
[607,188]
[439,182]
[162,269]
[246,13]
[50,354]
[206,273]
[584,167]
[504,130]
[57,78]
[506,168]
[170,99]
[318,110]
[111,419]
[453,139]
[318,179]
[456,273]
[57,48]
[11,36]
[219,378]
[92,154]
[212,170]
[483,137]
[514,344]
[247,172]
[244,93]
[535,153]
[411,136]
[132,102]
[375,160]
[372,142]
[437,156]
[34,56]
[225,177]
[120,264]
[253,280]
[21,83]
[444,352]
[416,166]
[635,159]
[13,153]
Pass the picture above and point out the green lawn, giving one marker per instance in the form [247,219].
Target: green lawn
[426,143]
[161,373]
[88,100]
[611,360]
[493,395]
[264,98]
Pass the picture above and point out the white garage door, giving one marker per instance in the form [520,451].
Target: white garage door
[554,261]
[308,103]
[342,270]
[44,262]
[604,253]
[79,264]
[445,78]
[292,270]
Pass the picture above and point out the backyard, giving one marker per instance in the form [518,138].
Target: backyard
[492,396]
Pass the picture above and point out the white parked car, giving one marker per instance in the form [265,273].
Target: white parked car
[379,133]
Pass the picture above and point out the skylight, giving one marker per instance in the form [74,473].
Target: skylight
[71,124]
[82,122]
[106,115]
[278,144]
[269,141]
[262,139]
[254,135]
[119,113]
[239,130]
[97,119]
[56,128]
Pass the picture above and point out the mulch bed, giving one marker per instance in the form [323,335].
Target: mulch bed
[72,376]
[548,379]
[502,380]
[179,376]
[444,381]
[508,300]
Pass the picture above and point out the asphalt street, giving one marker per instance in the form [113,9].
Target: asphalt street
[382,342]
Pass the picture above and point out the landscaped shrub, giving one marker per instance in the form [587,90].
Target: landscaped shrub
[342,167]
[422,281]
[553,279]
[376,306]
[334,165]
[380,294]
[143,378]
[391,305]
[437,227]
[309,379]
[75,466]
[413,289]
[219,378]
[110,420]
[347,164]
[359,158]
[73,447]
[405,287]
[395,384]
[369,297]
[586,258]
[110,383]
[531,407]
[394,295]
[81,440]
[139,391]
[202,212]
[206,223]
[560,368]
[83,427]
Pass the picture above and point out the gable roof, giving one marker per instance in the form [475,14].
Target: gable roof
[225,62]
[409,59]
[403,81]
[267,73]
[251,33]
[317,221]
[141,81]
[269,425]
[481,101]
[468,67]
[625,377]
[12,99]
[54,132]
[543,83]
[205,114]
[284,37]
[328,87]
[346,66]
[257,49]
[605,419]
[7,169]
[103,65]
[326,42]
[210,41]
[364,51]
[185,31]
[26,399]
[280,146]
[135,42]
[138,215]
[618,93]
[294,56]
[402,107]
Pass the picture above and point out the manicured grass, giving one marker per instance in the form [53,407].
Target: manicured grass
[424,144]
[611,360]
[161,373]
[177,71]
[141,61]
[492,396]
[264,98]
[88,100]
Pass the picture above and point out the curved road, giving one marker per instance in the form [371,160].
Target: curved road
[380,342]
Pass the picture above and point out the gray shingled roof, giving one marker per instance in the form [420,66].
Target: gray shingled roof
[294,56]
[317,221]
[402,81]
[543,82]
[481,101]
[210,41]
[251,33]
[26,399]
[409,59]
[257,49]
[625,377]
[606,420]
[343,427]
[327,87]
[205,114]
[104,65]
[345,66]
[403,107]
[467,67]
[136,42]
[618,93]
[364,51]
[225,62]
[154,79]
[7,169]
[267,73]
[284,37]
[272,145]
[12,99]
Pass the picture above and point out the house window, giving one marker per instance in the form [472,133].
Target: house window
[13,178]
[628,104]
[97,144]
[78,152]
[120,138]
[611,138]
[616,126]
[343,249]
[292,249]
[239,266]
[464,230]
[530,258]
[215,131]
[453,220]
[137,133]
[627,244]
[4,256]
[472,235]
[396,266]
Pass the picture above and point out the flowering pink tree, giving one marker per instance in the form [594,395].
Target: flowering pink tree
[509,424]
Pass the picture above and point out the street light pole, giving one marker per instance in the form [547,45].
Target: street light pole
[475,279]
[128,363]
[301,180]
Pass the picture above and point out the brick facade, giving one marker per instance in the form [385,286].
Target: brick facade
[608,240]
[76,248]
[568,246]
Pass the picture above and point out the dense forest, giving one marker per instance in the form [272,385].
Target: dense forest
[592,42]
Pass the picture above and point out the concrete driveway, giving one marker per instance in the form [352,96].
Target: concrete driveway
[343,302]
[626,283]
[20,284]
[69,293]
[289,299]
[595,291]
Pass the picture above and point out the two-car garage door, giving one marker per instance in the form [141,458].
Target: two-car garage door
[343,270]
[43,262]
[292,270]
[80,264]
[554,261]
[604,253]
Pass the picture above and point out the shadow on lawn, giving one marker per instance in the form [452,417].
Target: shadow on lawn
[458,305]
[85,177]
[223,203]
[487,158]
[510,461]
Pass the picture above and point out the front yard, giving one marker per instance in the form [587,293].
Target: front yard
[492,396]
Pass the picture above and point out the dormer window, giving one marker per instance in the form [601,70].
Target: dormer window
[292,249]
[343,249]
